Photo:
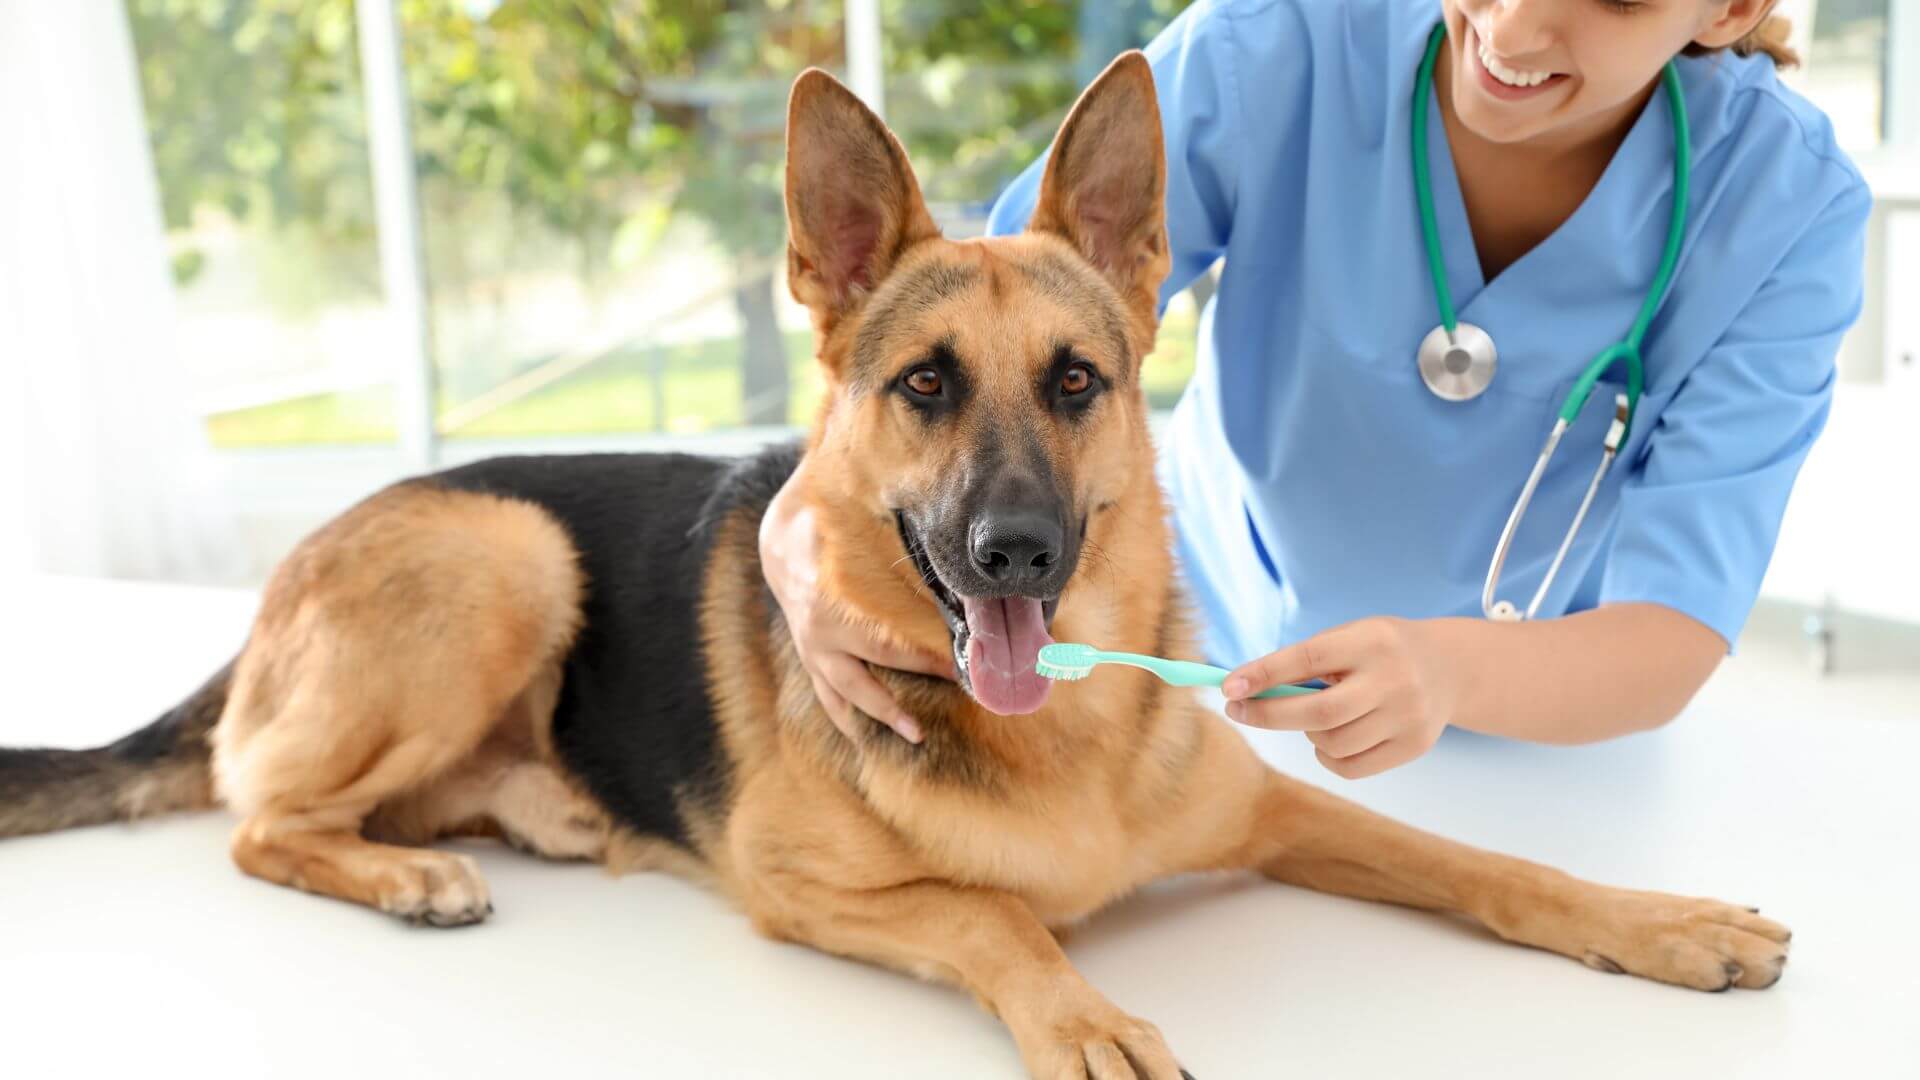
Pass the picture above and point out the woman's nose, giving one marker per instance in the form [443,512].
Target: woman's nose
[1514,28]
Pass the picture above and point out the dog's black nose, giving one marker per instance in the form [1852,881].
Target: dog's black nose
[1016,546]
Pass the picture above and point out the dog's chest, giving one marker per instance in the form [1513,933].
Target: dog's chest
[1066,857]
[1069,822]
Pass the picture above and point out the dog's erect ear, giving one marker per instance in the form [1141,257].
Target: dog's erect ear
[852,203]
[1105,184]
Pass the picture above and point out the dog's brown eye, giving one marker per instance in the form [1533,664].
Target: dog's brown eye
[1077,380]
[923,380]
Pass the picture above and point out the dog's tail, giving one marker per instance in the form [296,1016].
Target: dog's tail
[162,767]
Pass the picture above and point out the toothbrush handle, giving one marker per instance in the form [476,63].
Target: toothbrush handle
[1284,690]
[1188,673]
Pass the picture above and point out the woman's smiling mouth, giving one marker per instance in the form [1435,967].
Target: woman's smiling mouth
[1505,81]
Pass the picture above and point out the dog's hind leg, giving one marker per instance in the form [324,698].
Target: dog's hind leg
[322,852]
[525,804]
[390,648]
[309,782]
[1305,836]
[510,789]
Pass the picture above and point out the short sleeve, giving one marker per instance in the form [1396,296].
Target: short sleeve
[1194,78]
[1698,522]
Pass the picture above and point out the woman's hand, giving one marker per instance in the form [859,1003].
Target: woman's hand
[831,649]
[1392,689]
[1396,684]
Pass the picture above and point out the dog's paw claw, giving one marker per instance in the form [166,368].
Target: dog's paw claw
[1601,963]
[1689,942]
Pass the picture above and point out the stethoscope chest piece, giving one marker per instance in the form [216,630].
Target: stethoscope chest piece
[1458,366]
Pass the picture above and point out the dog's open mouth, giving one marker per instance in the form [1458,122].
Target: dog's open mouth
[996,639]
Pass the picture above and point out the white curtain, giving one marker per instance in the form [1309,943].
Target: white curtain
[104,469]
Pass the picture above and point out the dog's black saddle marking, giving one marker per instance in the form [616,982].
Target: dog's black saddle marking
[633,721]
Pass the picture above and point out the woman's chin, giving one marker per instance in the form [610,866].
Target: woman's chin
[1497,123]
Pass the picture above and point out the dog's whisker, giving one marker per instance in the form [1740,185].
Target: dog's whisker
[926,578]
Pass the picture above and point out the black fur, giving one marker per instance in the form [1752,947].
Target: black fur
[633,721]
[46,790]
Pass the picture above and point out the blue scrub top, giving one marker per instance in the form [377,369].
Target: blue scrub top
[1316,480]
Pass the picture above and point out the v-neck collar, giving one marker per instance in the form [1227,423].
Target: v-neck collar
[1580,231]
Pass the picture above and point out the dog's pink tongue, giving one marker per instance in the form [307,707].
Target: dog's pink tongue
[1003,641]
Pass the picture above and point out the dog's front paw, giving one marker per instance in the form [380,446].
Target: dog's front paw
[1097,1041]
[1703,944]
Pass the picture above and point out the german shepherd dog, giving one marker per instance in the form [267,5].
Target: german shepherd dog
[579,655]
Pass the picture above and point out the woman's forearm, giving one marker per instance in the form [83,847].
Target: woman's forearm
[1611,671]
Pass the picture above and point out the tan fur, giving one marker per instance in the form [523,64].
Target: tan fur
[402,674]
[957,876]
[824,271]
[391,648]
[1099,196]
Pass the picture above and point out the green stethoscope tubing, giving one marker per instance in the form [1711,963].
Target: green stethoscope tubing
[1628,350]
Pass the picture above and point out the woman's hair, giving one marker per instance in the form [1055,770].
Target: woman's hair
[1769,36]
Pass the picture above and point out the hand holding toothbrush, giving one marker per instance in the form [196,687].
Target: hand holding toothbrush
[1391,692]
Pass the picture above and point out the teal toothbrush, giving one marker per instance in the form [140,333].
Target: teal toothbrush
[1064,660]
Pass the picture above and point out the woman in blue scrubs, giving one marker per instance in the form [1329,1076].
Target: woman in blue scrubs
[1335,515]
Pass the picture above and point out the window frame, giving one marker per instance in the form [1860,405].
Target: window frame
[340,473]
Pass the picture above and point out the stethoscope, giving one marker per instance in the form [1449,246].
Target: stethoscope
[1458,359]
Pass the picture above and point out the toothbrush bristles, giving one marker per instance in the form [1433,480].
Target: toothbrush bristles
[1061,673]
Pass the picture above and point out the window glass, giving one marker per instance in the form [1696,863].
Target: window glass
[259,139]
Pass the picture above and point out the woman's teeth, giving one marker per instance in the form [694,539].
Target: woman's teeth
[1510,76]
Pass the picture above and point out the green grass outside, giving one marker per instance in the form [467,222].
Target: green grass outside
[699,383]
